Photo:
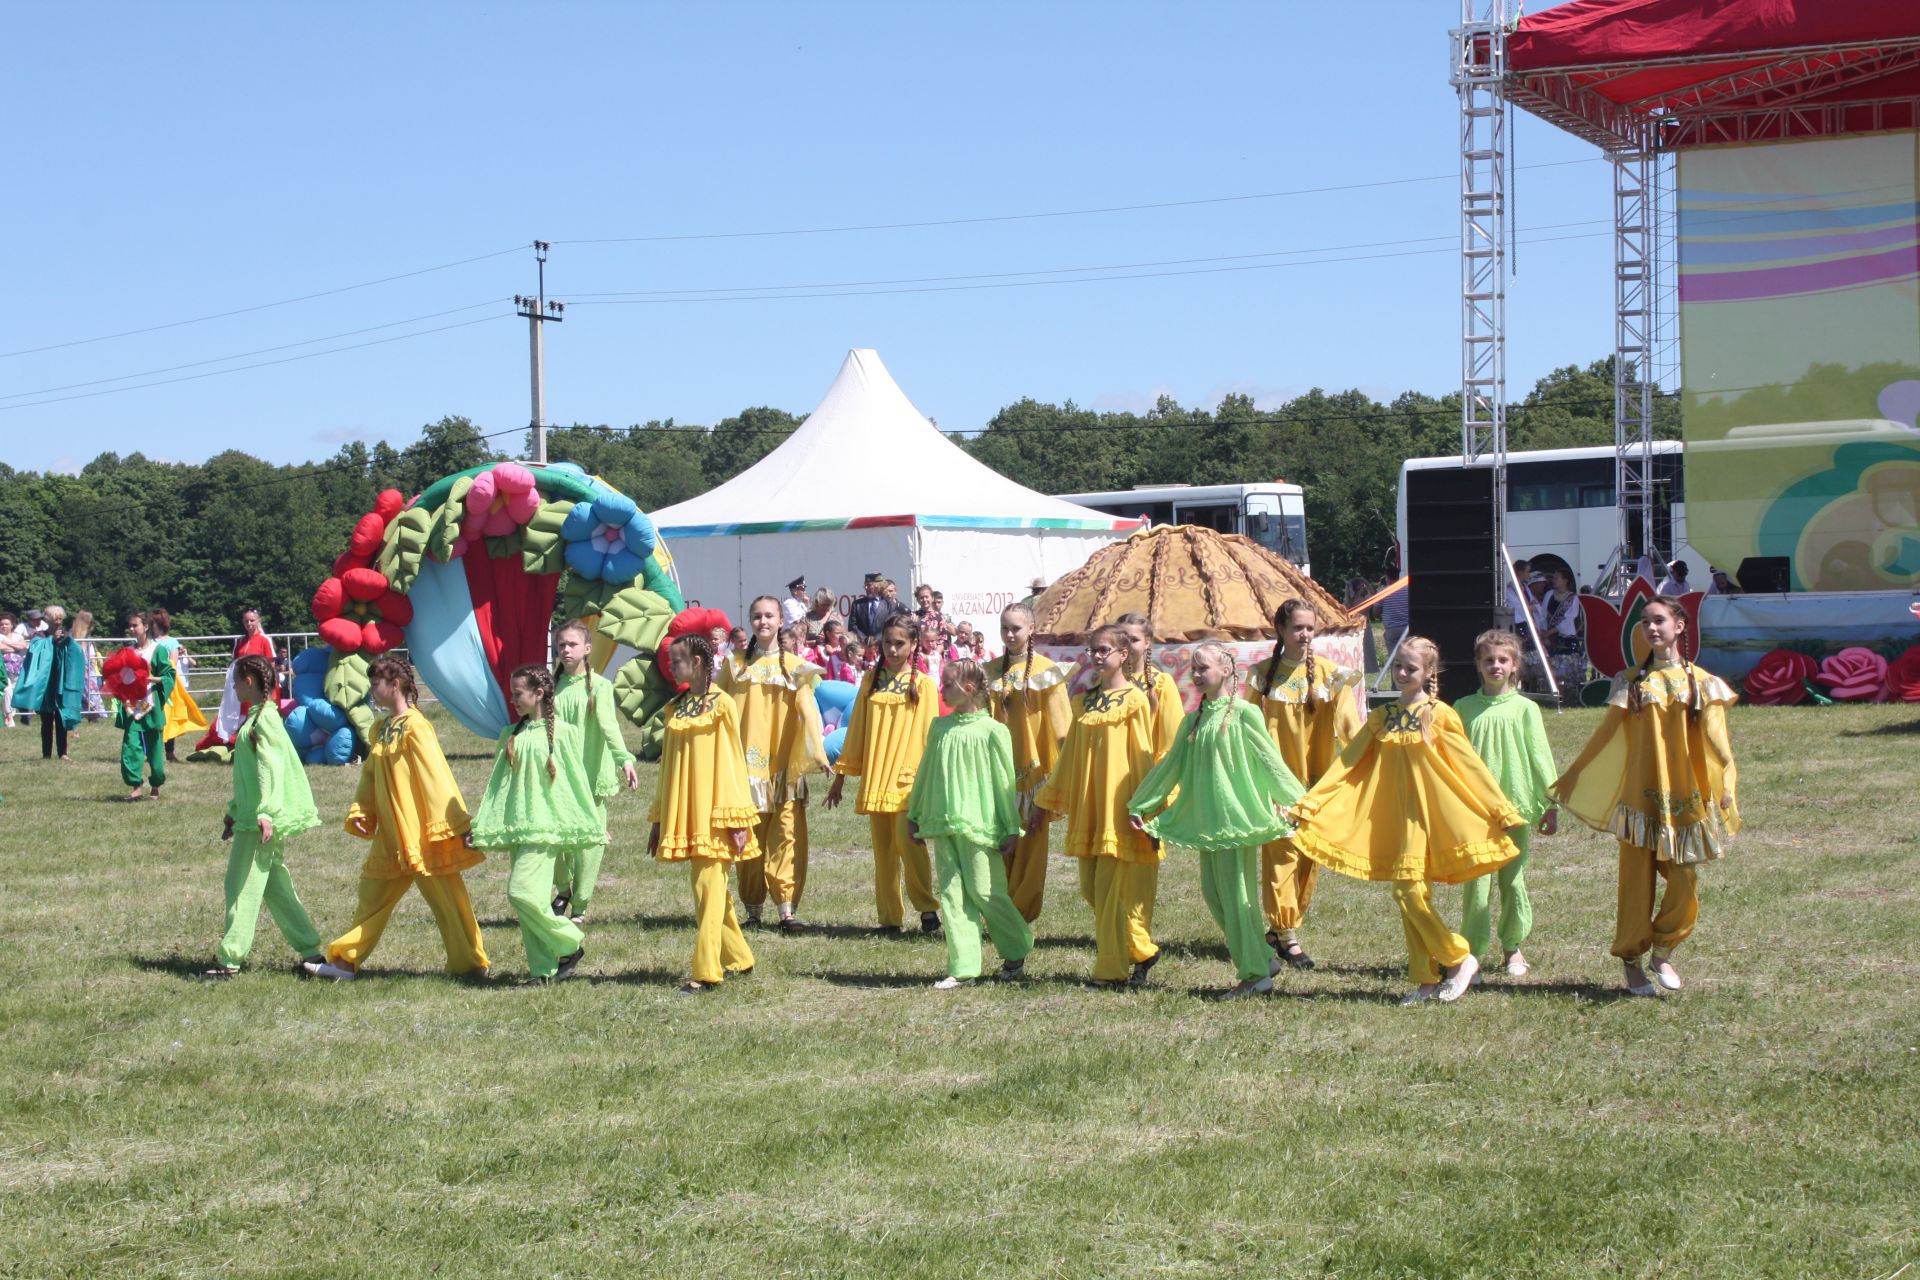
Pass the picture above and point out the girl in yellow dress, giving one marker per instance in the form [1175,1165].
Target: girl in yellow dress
[703,812]
[1311,712]
[1028,694]
[409,808]
[1107,755]
[1409,802]
[886,736]
[780,725]
[1659,776]
[1163,695]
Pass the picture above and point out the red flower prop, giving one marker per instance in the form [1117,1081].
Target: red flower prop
[126,676]
[359,613]
[1903,676]
[1781,679]
[1854,675]
[357,609]
[1615,641]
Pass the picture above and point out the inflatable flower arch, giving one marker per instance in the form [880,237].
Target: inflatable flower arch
[470,575]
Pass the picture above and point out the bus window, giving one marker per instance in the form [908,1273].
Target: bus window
[1560,486]
[1223,517]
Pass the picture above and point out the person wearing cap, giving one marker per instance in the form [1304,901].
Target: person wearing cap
[1722,585]
[797,603]
[1675,583]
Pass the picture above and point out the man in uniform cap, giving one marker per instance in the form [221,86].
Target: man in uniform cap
[795,606]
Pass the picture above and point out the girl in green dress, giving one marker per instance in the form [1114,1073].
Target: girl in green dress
[1218,791]
[271,804]
[583,698]
[538,806]
[1505,728]
[965,803]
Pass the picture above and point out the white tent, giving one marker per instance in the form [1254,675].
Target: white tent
[868,485]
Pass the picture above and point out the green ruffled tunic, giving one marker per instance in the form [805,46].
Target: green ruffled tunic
[523,808]
[1510,736]
[964,789]
[1219,783]
[269,781]
[601,746]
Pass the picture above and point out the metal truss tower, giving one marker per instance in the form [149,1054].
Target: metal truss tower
[1479,66]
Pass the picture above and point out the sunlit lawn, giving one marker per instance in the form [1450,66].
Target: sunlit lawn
[831,1116]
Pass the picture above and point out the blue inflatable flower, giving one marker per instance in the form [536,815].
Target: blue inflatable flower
[320,732]
[310,672]
[608,539]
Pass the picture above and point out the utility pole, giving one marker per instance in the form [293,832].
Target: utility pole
[538,311]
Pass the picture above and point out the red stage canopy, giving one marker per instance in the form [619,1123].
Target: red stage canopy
[1683,73]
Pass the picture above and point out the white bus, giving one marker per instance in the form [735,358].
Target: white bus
[1273,515]
[1560,505]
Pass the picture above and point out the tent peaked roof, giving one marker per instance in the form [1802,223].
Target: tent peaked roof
[866,457]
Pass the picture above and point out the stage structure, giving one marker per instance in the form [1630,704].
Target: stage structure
[1766,165]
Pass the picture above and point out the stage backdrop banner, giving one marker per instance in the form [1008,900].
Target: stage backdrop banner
[1799,280]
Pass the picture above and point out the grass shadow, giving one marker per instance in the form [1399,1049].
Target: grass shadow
[883,980]
[177,966]
[1899,729]
[634,978]
[1592,992]
[1062,940]
[1384,972]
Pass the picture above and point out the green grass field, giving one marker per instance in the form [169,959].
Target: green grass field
[832,1116]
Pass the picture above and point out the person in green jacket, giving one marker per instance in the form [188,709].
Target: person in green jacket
[53,683]
[1505,728]
[271,804]
[142,727]
[584,699]
[539,805]
[965,802]
[1219,791]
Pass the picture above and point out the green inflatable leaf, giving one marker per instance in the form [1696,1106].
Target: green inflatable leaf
[636,617]
[347,683]
[545,550]
[584,597]
[507,545]
[641,692]
[404,547]
[656,579]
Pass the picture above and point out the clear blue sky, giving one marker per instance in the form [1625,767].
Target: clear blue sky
[171,162]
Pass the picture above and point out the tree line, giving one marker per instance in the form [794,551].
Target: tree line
[208,540]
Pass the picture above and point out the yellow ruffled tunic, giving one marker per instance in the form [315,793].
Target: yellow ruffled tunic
[1030,698]
[1408,799]
[1655,778]
[1308,733]
[408,804]
[1107,755]
[702,794]
[779,724]
[886,736]
[1165,709]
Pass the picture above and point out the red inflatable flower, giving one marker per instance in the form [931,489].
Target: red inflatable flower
[1780,680]
[1903,676]
[126,676]
[359,613]
[694,621]
[1855,675]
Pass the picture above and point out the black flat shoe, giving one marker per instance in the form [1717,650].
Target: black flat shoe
[1141,970]
[793,924]
[569,964]
[930,923]
[1296,955]
[561,901]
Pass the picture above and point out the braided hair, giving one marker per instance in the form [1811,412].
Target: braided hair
[398,672]
[1221,654]
[539,681]
[1281,617]
[1429,654]
[559,667]
[1635,696]
[967,672]
[898,622]
[257,669]
[1145,679]
[695,645]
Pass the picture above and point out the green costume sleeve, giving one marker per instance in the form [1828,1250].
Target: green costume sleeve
[1157,788]
[1272,766]
[606,714]
[1539,759]
[285,798]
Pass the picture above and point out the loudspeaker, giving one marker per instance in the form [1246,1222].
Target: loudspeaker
[1450,557]
[1765,573]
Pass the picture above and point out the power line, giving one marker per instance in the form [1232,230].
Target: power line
[1049,213]
[263,306]
[242,355]
[1052,271]
[262,364]
[1033,284]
